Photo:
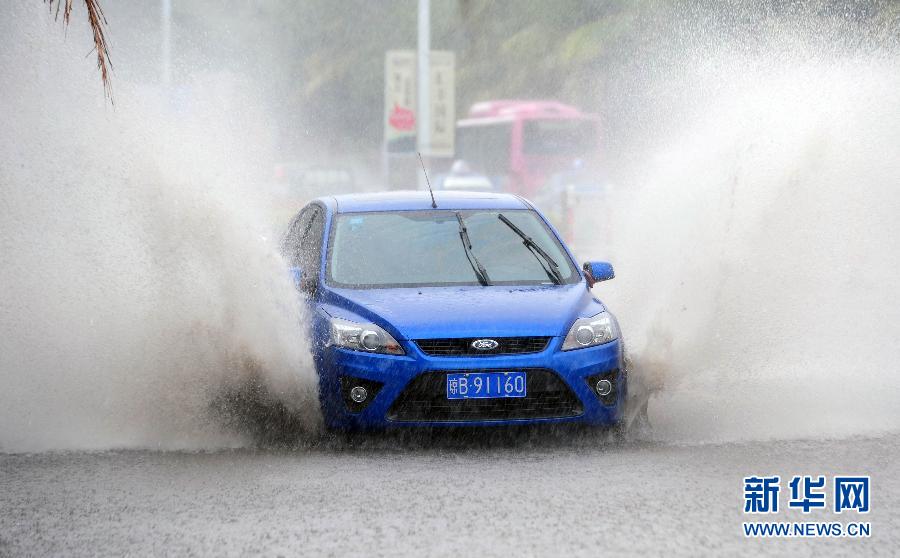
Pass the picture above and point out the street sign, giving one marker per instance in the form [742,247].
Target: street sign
[400,112]
[400,100]
[443,105]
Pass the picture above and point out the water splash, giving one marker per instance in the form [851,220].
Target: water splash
[757,244]
[140,276]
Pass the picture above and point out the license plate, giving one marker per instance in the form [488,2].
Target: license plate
[485,385]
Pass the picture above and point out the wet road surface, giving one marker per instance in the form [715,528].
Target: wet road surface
[561,497]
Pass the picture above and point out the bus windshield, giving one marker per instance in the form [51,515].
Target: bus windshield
[485,147]
[570,137]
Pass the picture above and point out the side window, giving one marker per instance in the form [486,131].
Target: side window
[311,244]
[291,243]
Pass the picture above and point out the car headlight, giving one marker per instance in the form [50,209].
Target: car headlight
[368,338]
[588,332]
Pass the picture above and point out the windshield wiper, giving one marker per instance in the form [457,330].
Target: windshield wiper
[473,261]
[552,270]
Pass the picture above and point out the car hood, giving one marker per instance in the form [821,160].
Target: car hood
[431,312]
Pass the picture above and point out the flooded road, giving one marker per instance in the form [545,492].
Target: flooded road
[569,497]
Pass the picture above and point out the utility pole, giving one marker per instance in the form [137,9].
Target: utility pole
[423,85]
[166,50]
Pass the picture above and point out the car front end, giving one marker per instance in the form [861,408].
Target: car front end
[373,376]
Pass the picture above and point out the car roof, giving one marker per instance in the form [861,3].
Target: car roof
[418,200]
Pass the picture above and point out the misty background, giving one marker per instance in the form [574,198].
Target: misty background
[753,229]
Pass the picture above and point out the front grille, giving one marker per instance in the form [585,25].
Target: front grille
[425,399]
[462,346]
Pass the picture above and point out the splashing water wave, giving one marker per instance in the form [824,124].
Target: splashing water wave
[140,280]
[757,248]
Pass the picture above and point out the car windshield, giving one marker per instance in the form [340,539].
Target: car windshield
[424,248]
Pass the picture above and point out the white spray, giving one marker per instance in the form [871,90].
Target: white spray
[757,245]
[140,278]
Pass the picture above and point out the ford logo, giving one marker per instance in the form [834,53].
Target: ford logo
[484,344]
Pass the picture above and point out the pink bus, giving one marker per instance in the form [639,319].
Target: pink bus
[519,145]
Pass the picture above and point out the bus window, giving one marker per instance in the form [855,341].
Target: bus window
[571,137]
[485,147]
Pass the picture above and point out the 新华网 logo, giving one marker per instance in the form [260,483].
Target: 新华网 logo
[807,494]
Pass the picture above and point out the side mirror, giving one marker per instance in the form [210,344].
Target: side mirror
[595,272]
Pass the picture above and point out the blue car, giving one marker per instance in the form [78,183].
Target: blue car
[463,310]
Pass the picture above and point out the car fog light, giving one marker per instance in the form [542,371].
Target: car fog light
[604,387]
[358,394]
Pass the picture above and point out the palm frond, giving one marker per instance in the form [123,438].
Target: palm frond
[97,22]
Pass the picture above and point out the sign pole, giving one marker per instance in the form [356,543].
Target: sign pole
[166,48]
[423,116]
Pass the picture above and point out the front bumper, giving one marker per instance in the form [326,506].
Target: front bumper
[396,372]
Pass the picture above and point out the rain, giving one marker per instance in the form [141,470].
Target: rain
[736,162]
